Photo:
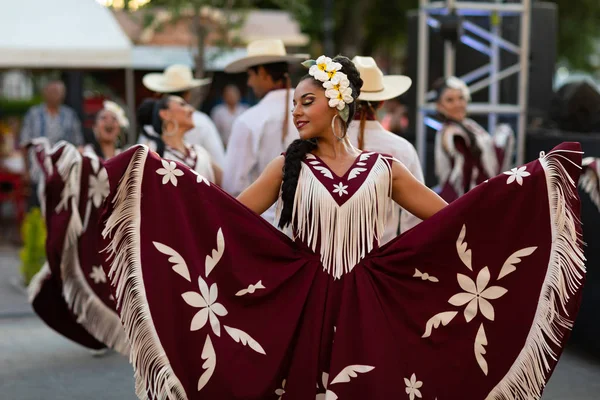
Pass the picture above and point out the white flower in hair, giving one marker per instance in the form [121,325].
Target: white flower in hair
[456,83]
[339,98]
[319,70]
[332,69]
[118,111]
[338,82]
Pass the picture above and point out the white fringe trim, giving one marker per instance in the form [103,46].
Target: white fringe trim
[527,376]
[590,179]
[318,219]
[98,319]
[36,283]
[153,373]
[504,138]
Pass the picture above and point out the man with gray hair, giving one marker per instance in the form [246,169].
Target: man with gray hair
[224,114]
[52,120]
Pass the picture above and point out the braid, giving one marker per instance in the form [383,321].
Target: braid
[291,172]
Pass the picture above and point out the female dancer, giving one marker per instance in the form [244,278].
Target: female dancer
[71,293]
[164,123]
[475,302]
[465,154]
[108,129]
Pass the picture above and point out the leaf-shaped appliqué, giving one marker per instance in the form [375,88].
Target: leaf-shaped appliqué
[462,248]
[350,372]
[180,267]
[435,321]
[355,172]
[324,171]
[480,342]
[210,363]
[212,260]
[515,258]
[242,337]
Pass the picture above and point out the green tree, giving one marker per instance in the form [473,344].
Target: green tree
[578,30]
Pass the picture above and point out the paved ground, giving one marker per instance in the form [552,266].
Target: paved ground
[36,363]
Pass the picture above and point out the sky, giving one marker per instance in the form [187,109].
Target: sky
[119,3]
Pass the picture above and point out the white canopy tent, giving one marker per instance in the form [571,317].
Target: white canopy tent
[61,34]
[65,34]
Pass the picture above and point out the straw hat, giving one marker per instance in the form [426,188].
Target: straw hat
[376,86]
[176,78]
[262,52]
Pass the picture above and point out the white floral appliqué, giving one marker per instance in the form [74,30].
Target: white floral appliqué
[98,275]
[412,387]
[477,295]
[99,188]
[281,391]
[169,172]
[206,300]
[340,188]
[517,174]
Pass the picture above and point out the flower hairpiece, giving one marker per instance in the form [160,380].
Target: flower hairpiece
[118,111]
[336,83]
[456,83]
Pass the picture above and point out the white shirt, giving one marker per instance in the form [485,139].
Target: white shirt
[197,159]
[223,119]
[205,134]
[256,139]
[376,138]
[200,160]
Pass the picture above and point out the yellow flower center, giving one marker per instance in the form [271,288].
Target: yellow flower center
[331,74]
[337,86]
[323,67]
[339,96]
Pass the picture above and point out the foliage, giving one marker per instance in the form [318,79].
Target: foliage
[578,29]
[17,108]
[366,26]
[33,253]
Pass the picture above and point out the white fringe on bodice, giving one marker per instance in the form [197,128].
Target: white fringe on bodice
[346,233]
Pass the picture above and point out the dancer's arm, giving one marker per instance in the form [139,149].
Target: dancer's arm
[261,195]
[412,195]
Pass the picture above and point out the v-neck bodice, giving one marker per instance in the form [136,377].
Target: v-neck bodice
[343,218]
[356,160]
[342,187]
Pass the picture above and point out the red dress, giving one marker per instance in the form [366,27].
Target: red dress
[71,293]
[475,302]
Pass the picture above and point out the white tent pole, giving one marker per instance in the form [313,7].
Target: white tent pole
[130,99]
[523,80]
[422,78]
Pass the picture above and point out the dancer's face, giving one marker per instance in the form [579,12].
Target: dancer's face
[179,113]
[107,127]
[453,104]
[311,112]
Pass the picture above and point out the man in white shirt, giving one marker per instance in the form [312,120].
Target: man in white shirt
[224,114]
[373,137]
[264,131]
[179,81]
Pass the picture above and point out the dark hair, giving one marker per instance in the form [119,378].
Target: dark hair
[94,140]
[297,151]
[365,110]
[440,87]
[148,114]
[278,71]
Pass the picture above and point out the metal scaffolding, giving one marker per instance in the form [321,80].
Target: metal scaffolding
[488,75]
